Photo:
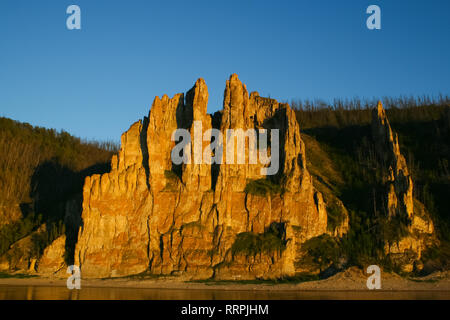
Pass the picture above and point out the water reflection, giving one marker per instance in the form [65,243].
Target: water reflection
[62,293]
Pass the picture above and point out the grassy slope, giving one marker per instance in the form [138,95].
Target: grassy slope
[340,158]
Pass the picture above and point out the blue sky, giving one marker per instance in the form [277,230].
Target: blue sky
[95,82]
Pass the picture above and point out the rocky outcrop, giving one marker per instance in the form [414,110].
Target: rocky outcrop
[399,202]
[22,255]
[52,259]
[196,219]
[30,254]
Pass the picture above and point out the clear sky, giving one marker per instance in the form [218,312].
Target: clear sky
[95,82]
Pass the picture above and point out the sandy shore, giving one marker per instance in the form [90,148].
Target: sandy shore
[352,279]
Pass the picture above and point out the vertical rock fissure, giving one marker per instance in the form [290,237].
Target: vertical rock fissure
[144,149]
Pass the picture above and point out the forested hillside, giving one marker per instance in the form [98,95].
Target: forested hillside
[40,170]
[341,156]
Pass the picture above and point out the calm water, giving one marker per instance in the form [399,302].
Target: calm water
[62,293]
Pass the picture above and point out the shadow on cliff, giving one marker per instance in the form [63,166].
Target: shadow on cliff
[56,192]
[144,149]
[185,118]
[350,149]
[278,121]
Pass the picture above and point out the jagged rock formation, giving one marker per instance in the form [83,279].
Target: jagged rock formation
[397,177]
[197,220]
[399,201]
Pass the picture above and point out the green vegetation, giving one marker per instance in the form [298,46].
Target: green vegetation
[145,275]
[195,227]
[321,252]
[170,175]
[335,216]
[356,112]
[262,188]
[23,148]
[437,257]
[4,275]
[44,239]
[172,181]
[352,176]
[299,278]
[40,170]
[394,229]
[272,240]
[15,231]
[342,159]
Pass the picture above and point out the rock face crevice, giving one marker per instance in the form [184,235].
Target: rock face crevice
[198,220]
[144,148]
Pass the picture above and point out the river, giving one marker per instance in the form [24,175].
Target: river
[89,293]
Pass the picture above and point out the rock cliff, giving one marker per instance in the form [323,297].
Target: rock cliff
[195,219]
[414,230]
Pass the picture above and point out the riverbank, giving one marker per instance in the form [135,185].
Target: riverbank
[352,279]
